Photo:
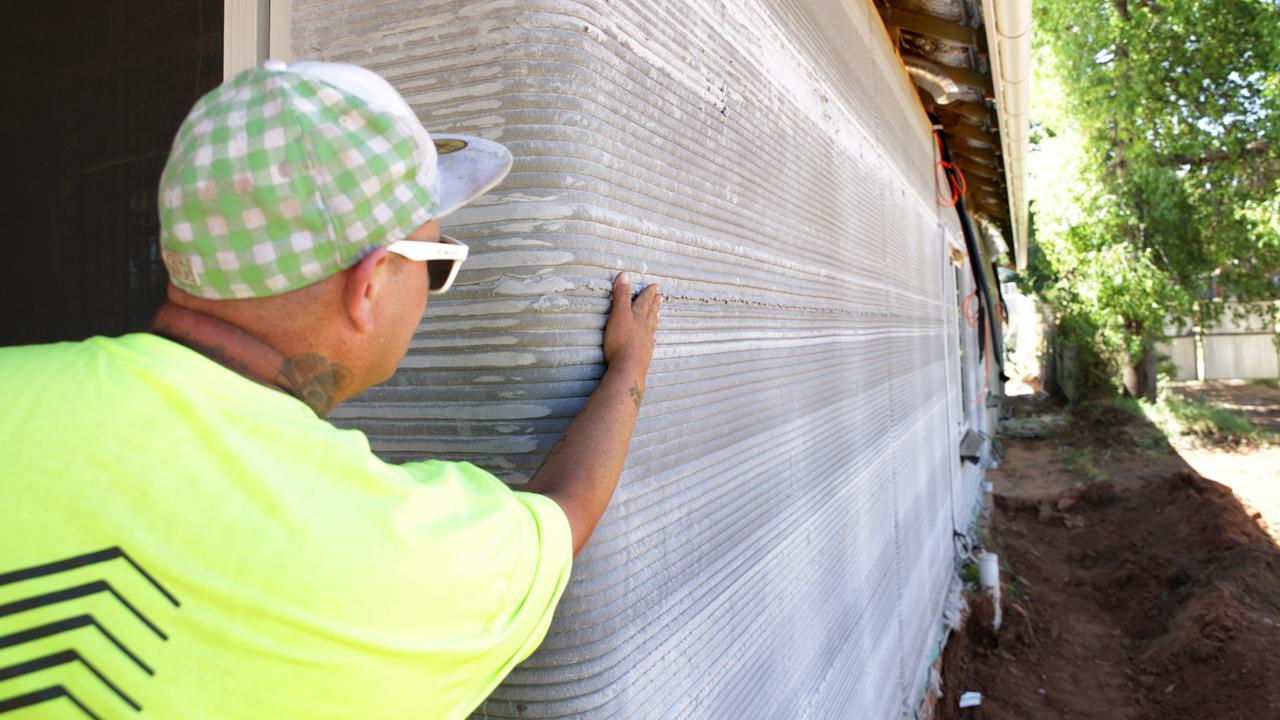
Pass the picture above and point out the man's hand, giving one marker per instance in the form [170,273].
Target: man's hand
[582,470]
[629,333]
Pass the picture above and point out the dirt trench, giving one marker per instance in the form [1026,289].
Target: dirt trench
[1154,594]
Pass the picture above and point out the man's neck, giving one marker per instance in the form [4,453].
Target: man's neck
[309,376]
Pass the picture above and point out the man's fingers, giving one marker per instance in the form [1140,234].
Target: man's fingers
[649,298]
[621,291]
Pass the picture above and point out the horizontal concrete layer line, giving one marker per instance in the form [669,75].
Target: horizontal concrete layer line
[664,395]
[558,356]
[658,420]
[672,344]
[665,457]
[673,427]
[676,372]
[771,288]
[650,441]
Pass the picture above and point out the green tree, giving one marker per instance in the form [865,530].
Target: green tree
[1155,166]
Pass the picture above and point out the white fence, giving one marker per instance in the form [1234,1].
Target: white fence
[1235,347]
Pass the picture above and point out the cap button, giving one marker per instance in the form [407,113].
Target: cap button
[274,65]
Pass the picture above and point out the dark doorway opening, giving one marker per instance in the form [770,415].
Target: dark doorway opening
[97,92]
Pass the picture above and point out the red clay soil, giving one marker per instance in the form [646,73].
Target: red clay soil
[1153,595]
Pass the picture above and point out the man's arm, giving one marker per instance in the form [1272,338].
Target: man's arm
[582,469]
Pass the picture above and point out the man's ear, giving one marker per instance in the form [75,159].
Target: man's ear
[365,280]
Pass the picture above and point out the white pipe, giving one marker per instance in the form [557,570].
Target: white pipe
[1015,98]
[989,571]
[1013,18]
[989,581]
[1015,60]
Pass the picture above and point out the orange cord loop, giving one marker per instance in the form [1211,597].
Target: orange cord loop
[956,184]
[972,314]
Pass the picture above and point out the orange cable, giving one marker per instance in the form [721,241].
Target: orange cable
[971,316]
[955,178]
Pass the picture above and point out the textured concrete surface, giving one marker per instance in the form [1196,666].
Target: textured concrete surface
[780,543]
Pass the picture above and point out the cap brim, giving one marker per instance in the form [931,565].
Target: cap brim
[468,167]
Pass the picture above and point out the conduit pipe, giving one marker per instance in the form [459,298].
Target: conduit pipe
[1008,24]
[932,79]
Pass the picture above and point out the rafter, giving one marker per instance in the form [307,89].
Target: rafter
[970,132]
[933,26]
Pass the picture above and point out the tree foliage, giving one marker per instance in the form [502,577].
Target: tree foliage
[1155,168]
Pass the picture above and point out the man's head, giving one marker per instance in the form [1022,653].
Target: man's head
[309,194]
[287,174]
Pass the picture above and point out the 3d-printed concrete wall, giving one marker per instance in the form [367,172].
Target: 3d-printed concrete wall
[780,543]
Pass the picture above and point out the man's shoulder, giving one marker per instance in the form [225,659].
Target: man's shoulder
[19,354]
[86,355]
[46,385]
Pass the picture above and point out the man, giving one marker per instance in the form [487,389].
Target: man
[181,531]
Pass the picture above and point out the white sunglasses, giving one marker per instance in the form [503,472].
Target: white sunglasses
[443,259]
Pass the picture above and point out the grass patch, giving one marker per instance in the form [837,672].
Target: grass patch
[1015,592]
[1103,423]
[1203,423]
[1080,460]
[1153,443]
[1269,382]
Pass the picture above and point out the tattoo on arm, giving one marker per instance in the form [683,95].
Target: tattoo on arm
[314,380]
[636,394]
[555,450]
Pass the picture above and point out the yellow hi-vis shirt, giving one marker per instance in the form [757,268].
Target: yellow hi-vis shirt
[177,541]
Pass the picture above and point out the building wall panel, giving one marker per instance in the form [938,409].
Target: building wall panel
[781,539]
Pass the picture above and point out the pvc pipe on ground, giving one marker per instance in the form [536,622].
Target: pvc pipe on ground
[989,571]
[989,582]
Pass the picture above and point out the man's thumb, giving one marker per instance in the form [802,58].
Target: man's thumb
[621,289]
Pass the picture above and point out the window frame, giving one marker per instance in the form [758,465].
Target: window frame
[254,31]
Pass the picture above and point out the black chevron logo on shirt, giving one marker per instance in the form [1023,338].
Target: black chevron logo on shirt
[74,619]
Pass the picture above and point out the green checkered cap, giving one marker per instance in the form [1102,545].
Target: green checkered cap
[285,175]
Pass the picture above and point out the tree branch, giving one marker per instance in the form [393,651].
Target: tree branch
[1122,7]
[1257,147]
